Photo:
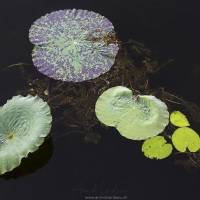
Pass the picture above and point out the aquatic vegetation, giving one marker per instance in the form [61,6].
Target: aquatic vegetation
[179,119]
[156,147]
[24,123]
[184,138]
[136,117]
[73,45]
[73,104]
[77,45]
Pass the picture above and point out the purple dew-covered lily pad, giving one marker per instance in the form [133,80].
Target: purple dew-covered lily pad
[73,45]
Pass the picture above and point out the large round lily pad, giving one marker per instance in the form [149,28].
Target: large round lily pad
[24,122]
[184,138]
[156,147]
[73,45]
[135,117]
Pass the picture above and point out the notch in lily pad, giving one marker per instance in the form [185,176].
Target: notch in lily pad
[156,148]
[186,138]
[73,45]
[24,123]
[135,117]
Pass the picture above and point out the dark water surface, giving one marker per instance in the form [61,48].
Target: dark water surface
[67,168]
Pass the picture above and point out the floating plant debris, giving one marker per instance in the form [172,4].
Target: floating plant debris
[73,45]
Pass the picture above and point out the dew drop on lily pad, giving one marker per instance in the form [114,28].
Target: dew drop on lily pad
[135,117]
[73,45]
[24,122]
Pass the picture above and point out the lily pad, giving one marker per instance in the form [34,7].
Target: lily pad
[179,119]
[135,117]
[156,147]
[24,122]
[73,45]
[184,138]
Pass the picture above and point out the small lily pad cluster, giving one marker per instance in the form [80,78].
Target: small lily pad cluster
[143,117]
[183,139]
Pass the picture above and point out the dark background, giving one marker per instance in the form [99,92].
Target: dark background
[65,167]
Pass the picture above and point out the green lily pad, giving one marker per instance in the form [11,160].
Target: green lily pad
[135,117]
[184,138]
[24,122]
[156,147]
[179,119]
[71,45]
